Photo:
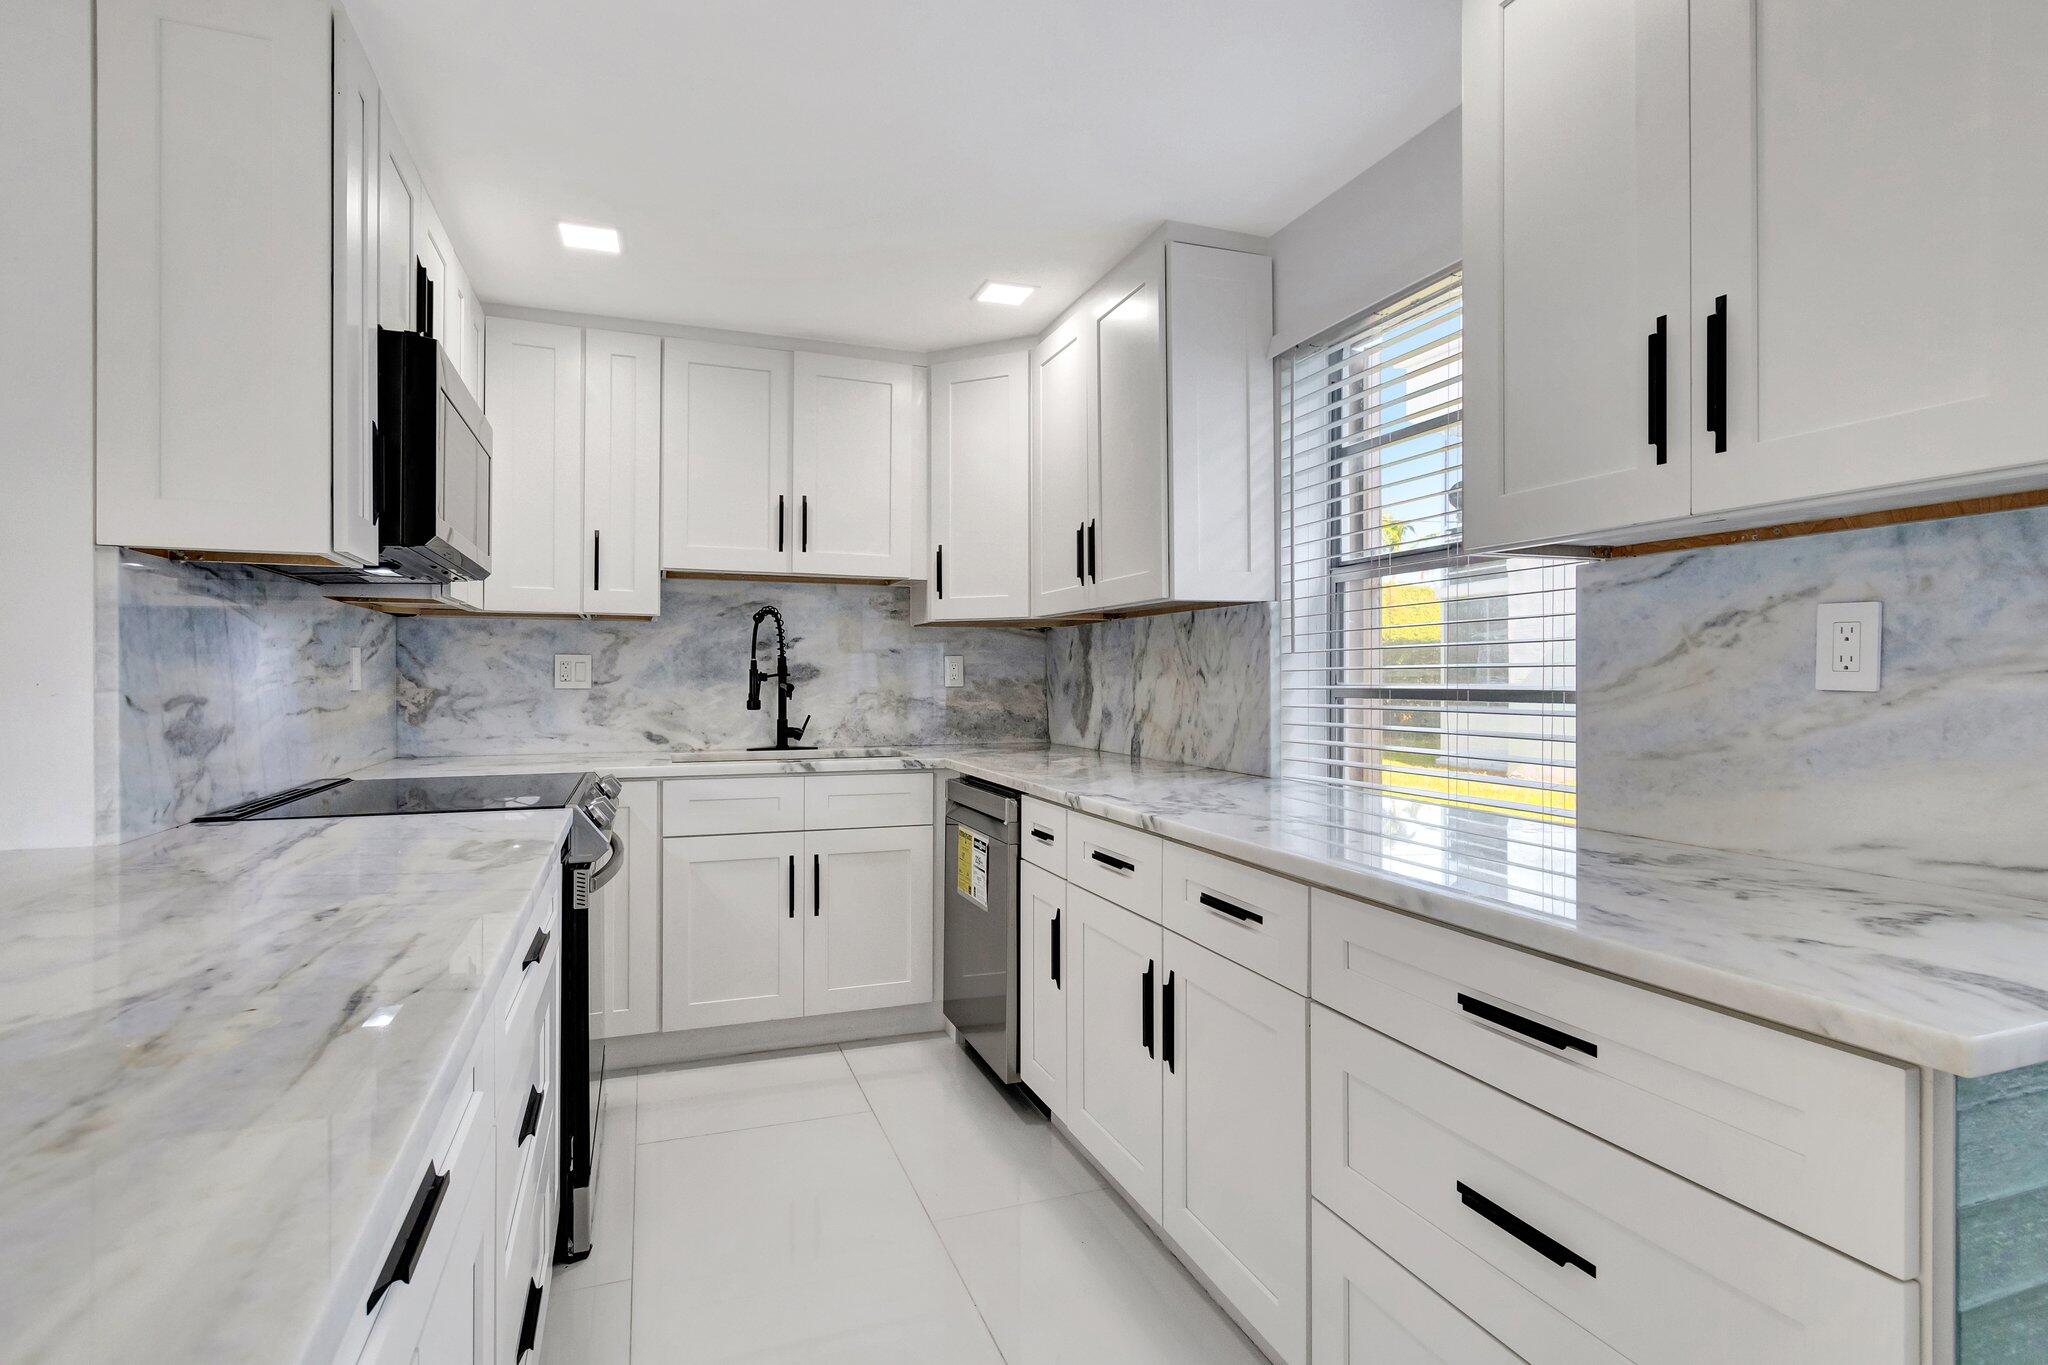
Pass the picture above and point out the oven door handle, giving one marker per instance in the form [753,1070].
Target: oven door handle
[614,863]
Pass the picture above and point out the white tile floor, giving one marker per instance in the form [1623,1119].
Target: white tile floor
[880,1202]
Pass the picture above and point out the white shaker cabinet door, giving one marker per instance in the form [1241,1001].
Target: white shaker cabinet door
[858,470]
[1041,991]
[725,499]
[1126,540]
[1235,1047]
[1062,468]
[732,932]
[1576,232]
[622,473]
[625,924]
[357,125]
[1114,1093]
[980,490]
[536,414]
[1867,221]
[868,930]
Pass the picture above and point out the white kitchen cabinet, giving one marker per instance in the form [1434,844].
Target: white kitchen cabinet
[857,435]
[536,414]
[732,929]
[1115,1086]
[1152,447]
[1041,990]
[358,115]
[461,1325]
[1235,1049]
[725,458]
[980,489]
[1369,1310]
[1849,306]
[401,229]
[868,934]
[622,473]
[625,924]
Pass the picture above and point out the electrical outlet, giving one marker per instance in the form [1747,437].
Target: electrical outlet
[355,668]
[572,670]
[956,670]
[1846,646]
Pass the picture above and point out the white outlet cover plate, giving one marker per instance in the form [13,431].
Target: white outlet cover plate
[1869,619]
[573,671]
[956,670]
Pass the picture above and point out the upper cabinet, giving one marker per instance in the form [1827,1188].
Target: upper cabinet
[622,472]
[1699,299]
[857,440]
[725,457]
[1151,436]
[980,489]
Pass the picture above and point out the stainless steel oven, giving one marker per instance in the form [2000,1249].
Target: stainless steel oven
[983,823]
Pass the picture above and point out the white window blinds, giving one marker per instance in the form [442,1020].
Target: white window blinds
[1407,665]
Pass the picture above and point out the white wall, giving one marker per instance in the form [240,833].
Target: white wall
[1393,225]
[46,530]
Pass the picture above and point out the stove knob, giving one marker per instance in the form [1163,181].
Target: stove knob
[601,812]
[608,786]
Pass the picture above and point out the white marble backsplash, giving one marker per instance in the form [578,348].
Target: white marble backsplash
[863,672]
[1192,687]
[1699,721]
[218,684]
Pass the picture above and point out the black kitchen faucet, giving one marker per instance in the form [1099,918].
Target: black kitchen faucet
[784,688]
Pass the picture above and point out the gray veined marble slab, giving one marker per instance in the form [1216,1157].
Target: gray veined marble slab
[217,1047]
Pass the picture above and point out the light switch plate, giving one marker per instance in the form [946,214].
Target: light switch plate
[1847,646]
[956,670]
[572,670]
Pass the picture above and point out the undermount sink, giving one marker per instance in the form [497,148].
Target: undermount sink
[775,755]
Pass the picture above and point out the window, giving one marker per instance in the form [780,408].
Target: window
[1406,664]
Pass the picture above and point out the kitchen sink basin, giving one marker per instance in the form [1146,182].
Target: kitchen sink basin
[773,755]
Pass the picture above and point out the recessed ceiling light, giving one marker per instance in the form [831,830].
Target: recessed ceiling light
[584,237]
[997,292]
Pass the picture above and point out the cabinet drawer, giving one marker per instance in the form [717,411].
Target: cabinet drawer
[732,805]
[535,1089]
[1045,835]
[1370,1311]
[1251,917]
[529,984]
[1816,1137]
[1116,862]
[1650,1264]
[867,800]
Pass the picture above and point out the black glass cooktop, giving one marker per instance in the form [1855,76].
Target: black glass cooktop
[408,796]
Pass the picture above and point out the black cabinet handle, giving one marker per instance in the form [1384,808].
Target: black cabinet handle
[1717,373]
[1542,1243]
[1056,951]
[942,573]
[1147,1010]
[596,561]
[803,521]
[529,1122]
[529,1321]
[792,886]
[535,950]
[1110,860]
[781,521]
[1237,912]
[1044,836]
[1080,552]
[1528,1028]
[1658,386]
[404,1256]
[1166,1046]
[817,885]
[1093,577]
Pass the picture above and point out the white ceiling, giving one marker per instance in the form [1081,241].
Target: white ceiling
[851,170]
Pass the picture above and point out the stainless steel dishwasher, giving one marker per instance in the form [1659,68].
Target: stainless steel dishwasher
[982,828]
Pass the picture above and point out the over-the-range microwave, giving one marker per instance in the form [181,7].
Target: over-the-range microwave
[433,463]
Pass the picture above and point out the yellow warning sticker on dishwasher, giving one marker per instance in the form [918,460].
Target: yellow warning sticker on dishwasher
[970,867]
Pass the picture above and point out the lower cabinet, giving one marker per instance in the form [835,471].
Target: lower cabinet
[868,937]
[1115,1085]
[1041,988]
[1371,1311]
[1235,1048]
[461,1327]
[625,924]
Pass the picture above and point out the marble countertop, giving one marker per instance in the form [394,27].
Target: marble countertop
[1906,968]
[217,1046]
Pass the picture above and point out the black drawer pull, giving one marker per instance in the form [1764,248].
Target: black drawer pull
[1093,577]
[1717,373]
[1234,911]
[529,1122]
[535,950]
[1056,951]
[1659,387]
[1542,1243]
[781,519]
[1528,1028]
[817,885]
[529,1321]
[404,1257]
[792,886]
[1044,836]
[1166,1047]
[1146,1010]
[942,573]
[1110,860]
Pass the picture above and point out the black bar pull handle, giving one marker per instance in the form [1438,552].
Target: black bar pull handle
[1542,1243]
[803,519]
[1528,1028]
[1146,1022]
[1166,1047]
[1224,907]
[597,561]
[1717,373]
[1110,860]
[792,886]
[404,1256]
[942,573]
[1093,577]
[529,1322]
[1056,951]
[1659,388]
[1080,551]
[781,521]
[1044,836]
[529,1122]
[535,950]
[817,885]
